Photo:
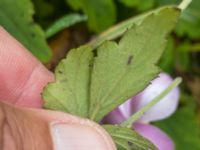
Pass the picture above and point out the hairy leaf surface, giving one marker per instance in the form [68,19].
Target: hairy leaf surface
[92,84]
[70,91]
[122,70]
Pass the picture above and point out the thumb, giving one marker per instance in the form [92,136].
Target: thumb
[35,129]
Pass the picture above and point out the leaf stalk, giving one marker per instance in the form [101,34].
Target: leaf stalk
[140,113]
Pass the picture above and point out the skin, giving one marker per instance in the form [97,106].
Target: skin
[23,124]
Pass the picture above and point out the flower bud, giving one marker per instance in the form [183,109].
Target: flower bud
[163,108]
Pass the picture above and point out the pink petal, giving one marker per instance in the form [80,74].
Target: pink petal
[114,117]
[119,114]
[162,109]
[155,135]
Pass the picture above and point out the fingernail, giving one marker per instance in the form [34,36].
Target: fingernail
[77,137]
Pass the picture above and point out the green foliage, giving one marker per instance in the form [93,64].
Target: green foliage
[189,22]
[48,11]
[122,70]
[101,13]
[117,70]
[119,29]
[70,92]
[16,18]
[139,4]
[183,128]
[90,84]
[64,22]
[182,60]
[128,139]
[177,57]
[167,2]
[168,57]
[43,8]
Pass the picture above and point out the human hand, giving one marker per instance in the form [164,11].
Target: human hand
[23,125]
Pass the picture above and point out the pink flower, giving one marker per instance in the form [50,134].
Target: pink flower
[161,110]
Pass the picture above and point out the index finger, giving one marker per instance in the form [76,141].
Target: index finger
[22,76]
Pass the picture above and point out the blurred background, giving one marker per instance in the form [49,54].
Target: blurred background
[50,28]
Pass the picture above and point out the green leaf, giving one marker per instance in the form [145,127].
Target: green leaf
[43,8]
[122,70]
[128,139]
[101,13]
[140,5]
[119,29]
[189,21]
[183,127]
[70,92]
[93,88]
[64,22]
[16,18]
[167,60]
[182,57]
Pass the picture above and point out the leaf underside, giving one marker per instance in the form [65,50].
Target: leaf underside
[70,92]
[122,70]
[91,84]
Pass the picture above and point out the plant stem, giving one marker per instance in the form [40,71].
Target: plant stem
[184,4]
[139,114]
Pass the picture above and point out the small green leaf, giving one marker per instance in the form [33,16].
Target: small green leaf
[16,18]
[70,92]
[101,13]
[122,70]
[128,139]
[64,22]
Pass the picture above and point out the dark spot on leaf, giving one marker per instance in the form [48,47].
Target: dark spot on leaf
[90,65]
[64,80]
[129,143]
[59,71]
[95,53]
[130,58]
[132,145]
